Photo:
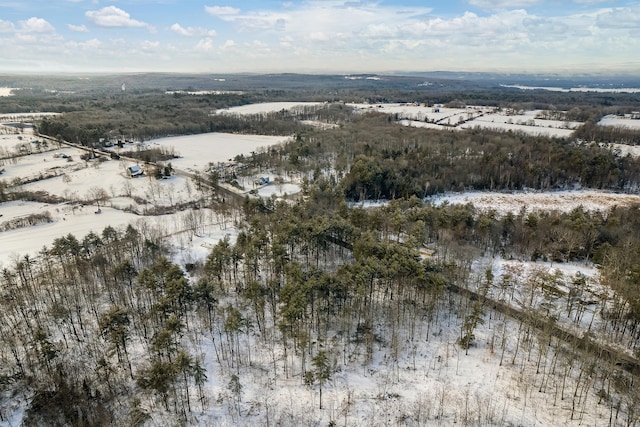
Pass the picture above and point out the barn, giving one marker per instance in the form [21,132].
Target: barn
[135,171]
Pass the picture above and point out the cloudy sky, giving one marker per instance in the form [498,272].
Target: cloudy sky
[319,35]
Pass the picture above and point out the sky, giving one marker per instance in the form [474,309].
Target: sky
[319,36]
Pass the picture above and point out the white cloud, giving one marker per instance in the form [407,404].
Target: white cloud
[260,45]
[221,10]
[6,27]
[324,35]
[262,21]
[545,28]
[78,28]
[90,45]
[503,4]
[627,18]
[205,45]
[328,17]
[192,31]
[286,42]
[178,29]
[113,17]
[33,32]
[150,45]
[36,25]
[591,2]
[229,44]
[318,36]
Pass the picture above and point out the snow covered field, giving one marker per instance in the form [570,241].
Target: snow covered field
[267,107]
[577,89]
[525,122]
[562,201]
[127,199]
[443,116]
[612,120]
[437,117]
[197,151]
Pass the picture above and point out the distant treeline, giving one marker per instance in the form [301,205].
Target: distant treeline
[144,118]
[94,111]
[590,131]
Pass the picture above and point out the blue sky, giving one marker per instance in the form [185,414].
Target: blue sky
[319,36]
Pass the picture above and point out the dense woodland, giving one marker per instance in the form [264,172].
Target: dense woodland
[93,327]
[373,158]
[107,330]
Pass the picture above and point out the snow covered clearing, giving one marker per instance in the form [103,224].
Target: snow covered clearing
[278,190]
[563,201]
[627,122]
[528,129]
[427,125]
[527,122]
[197,151]
[203,92]
[65,220]
[6,91]
[624,149]
[571,292]
[435,114]
[577,89]
[438,117]
[267,107]
[319,124]
[62,173]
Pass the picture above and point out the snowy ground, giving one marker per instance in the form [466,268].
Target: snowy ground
[26,117]
[624,149]
[267,107]
[197,151]
[127,198]
[433,382]
[489,123]
[563,201]
[613,120]
[577,89]
[525,122]
[473,117]
[439,115]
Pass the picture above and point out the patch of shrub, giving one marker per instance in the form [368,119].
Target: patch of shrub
[26,221]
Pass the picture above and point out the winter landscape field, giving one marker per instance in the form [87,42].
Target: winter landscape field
[390,324]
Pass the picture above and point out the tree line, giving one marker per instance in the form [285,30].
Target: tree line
[372,158]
